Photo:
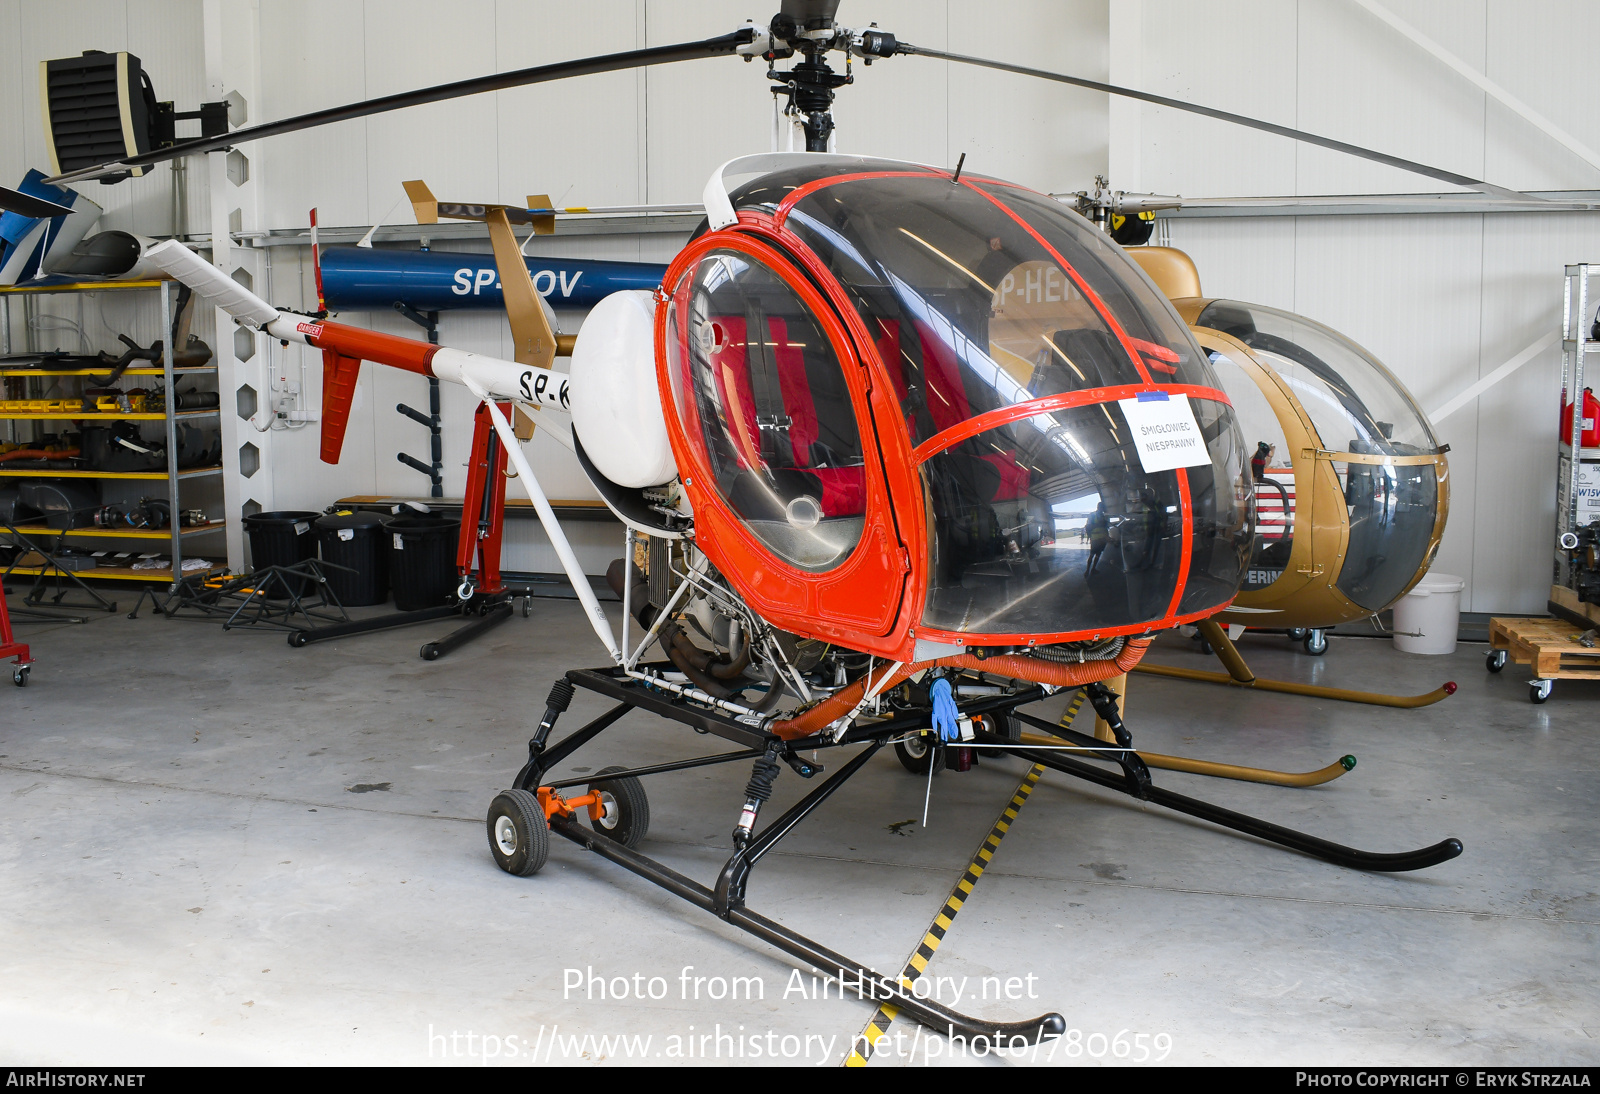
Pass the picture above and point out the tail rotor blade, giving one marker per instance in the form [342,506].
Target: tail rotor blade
[1223,115]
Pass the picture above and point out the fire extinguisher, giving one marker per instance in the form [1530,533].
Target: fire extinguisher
[1591,419]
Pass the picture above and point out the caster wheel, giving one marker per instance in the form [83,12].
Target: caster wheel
[1539,690]
[1316,642]
[1205,648]
[626,816]
[519,836]
[297,640]
[527,606]
[916,754]
[1496,660]
[19,677]
[1003,726]
[1297,634]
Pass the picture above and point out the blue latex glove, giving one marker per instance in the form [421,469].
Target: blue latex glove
[945,715]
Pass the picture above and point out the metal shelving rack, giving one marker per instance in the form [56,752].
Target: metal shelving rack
[175,534]
[1576,348]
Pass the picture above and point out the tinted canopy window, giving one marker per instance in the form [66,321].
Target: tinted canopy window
[1049,525]
[756,380]
[971,311]
[1355,403]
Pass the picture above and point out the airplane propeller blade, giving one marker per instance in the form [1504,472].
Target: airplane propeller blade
[610,62]
[1223,115]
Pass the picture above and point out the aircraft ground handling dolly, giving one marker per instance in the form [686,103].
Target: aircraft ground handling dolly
[613,800]
[483,595]
[22,661]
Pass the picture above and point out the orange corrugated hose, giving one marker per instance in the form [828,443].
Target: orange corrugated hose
[1066,674]
[39,454]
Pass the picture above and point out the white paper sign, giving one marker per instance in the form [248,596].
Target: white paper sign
[1165,432]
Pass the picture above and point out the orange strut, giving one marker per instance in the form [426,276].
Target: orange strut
[553,803]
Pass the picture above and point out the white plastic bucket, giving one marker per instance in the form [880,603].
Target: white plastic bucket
[1426,618]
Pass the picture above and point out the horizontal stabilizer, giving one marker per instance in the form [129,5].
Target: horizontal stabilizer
[181,264]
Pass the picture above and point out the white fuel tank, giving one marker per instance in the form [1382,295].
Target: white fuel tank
[616,406]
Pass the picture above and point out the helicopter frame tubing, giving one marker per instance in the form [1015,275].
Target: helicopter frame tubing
[642,689]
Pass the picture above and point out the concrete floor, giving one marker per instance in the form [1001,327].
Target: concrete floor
[192,869]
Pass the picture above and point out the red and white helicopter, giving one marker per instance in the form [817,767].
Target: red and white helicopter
[846,425]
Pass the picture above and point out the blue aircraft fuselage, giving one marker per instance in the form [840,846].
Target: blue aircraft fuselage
[361,278]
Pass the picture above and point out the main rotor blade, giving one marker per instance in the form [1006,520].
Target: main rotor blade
[15,201]
[1223,115]
[610,62]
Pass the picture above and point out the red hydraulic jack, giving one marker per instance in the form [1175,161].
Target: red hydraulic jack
[482,593]
[18,650]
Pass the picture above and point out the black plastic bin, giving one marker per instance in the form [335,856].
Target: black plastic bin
[282,539]
[422,560]
[355,539]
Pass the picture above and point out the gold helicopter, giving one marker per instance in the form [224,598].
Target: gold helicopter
[1352,486]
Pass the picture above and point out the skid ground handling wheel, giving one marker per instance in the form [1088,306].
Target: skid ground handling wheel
[521,819]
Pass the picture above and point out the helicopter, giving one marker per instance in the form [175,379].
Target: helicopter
[845,428]
[1342,455]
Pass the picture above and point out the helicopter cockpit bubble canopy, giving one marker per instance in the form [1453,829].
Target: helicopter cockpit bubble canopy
[1369,432]
[949,405]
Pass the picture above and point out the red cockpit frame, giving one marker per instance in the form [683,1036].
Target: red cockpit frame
[874,600]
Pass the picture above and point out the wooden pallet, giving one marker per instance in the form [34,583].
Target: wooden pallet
[1563,601]
[1549,645]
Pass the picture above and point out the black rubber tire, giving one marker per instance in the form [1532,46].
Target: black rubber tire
[1539,695]
[1297,634]
[1005,726]
[1205,648]
[1495,661]
[430,652]
[19,677]
[520,846]
[914,755]
[1316,643]
[297,639]
[627,816]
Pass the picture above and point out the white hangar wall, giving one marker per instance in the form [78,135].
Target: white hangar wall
[648,136]
[1441,299]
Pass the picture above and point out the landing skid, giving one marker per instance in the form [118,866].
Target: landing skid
[519,830]
[1240,676]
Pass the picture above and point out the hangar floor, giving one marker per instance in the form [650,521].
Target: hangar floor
[216,848]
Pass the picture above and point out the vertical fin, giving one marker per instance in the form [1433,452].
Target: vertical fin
[339,375]
[423,203]
[544,224]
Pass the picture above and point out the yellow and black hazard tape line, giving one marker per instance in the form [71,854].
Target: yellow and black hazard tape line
[1073,707]
[878,1025]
